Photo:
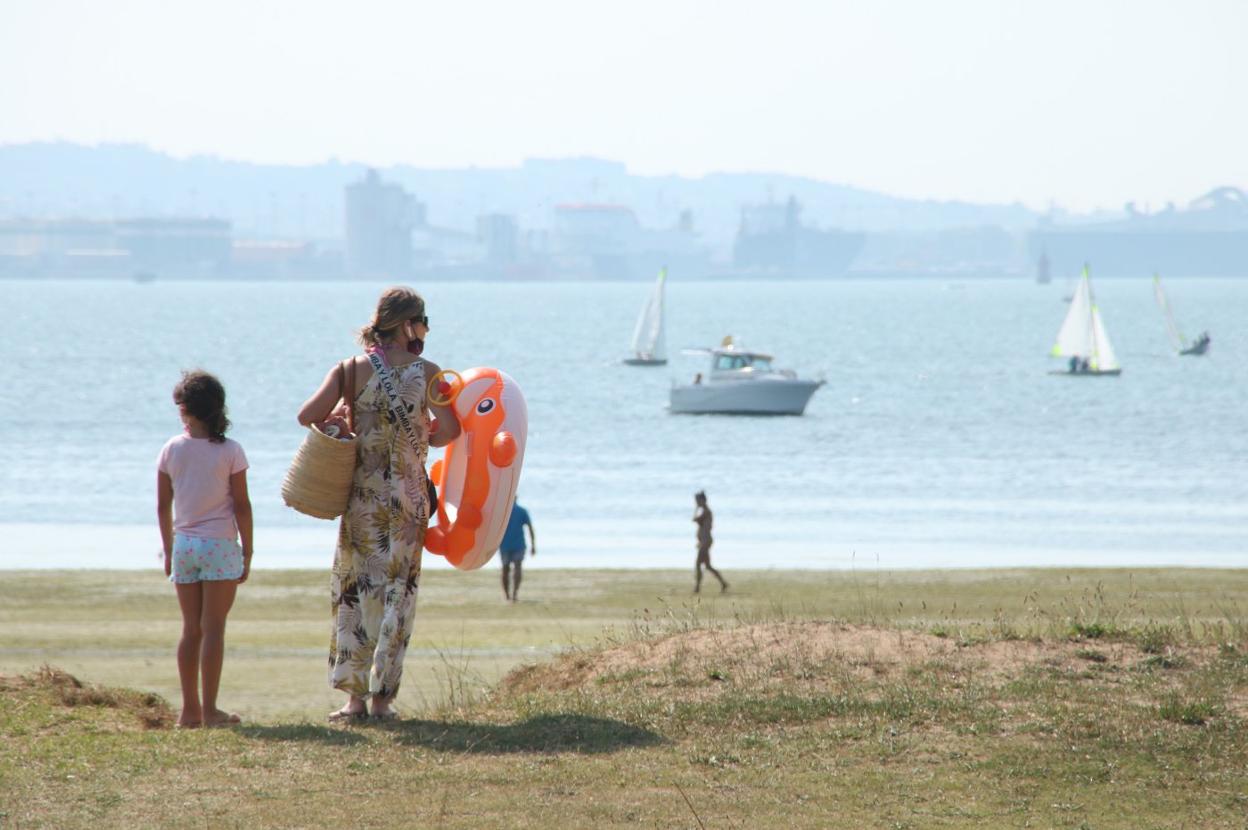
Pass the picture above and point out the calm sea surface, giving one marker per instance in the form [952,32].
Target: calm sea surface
[939,439]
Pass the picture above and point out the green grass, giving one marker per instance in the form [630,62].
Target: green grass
[949,699]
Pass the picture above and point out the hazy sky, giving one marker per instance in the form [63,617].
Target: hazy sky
[1087,103]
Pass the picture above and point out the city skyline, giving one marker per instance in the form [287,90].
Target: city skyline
[1086,106]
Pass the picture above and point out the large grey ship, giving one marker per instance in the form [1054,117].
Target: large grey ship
[1207,239]
[772,241]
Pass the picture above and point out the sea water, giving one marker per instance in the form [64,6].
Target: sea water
[939,440]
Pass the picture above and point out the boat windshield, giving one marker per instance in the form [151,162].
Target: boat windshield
[735,362]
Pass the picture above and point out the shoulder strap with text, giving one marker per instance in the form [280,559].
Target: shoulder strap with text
[390,386]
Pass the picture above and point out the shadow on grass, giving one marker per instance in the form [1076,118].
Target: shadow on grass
[545,733]
[302,733]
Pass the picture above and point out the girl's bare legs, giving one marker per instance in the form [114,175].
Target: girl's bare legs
[191,601]
[218,599]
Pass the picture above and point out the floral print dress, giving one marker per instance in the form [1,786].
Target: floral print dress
[377,563]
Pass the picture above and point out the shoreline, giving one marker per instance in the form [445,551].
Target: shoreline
[123,547]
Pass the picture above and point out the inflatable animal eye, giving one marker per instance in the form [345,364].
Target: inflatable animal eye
[485,406]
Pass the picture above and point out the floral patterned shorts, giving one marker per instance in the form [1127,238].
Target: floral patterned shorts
[205,560]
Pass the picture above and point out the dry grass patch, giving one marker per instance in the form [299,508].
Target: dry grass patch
[813,653]
[122,709]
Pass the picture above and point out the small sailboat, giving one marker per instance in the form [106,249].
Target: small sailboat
[649,343]
[1082,337]
[1181,344]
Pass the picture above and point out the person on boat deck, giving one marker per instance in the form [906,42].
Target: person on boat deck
[1084,365]
[1074,365]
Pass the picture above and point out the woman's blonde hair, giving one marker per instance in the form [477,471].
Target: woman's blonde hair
[395,307]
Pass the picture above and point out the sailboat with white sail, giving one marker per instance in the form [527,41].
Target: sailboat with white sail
[1082,337]
[1181,344]
[649,342]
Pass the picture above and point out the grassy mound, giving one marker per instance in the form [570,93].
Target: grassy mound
[819,670]
[62,699]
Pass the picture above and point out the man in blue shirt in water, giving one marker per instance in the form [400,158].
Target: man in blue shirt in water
[511,551]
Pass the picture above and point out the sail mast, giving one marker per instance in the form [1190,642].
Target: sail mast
[1096,352]
[1172,327]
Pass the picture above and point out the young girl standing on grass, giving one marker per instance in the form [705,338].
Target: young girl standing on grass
[203,510]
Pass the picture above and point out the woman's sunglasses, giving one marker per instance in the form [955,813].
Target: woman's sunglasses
[423,320]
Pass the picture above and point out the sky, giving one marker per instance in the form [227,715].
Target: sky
[1083,105]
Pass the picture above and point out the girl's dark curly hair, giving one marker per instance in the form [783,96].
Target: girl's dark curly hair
[204,397]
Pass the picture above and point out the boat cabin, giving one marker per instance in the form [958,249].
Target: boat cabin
[736,361]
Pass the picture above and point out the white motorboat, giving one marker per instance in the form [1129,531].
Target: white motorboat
[742,382]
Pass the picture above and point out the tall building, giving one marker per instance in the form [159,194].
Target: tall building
[380,219]
[499,235]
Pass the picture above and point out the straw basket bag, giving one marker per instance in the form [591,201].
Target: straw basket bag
[318,482]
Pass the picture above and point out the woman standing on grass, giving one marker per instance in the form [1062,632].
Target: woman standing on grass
[203,508]
[377,562]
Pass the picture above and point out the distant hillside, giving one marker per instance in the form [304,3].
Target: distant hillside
[60,179]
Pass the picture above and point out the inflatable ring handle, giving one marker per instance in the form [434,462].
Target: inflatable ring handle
[432,390]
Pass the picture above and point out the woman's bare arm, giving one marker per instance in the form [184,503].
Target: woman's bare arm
[316,409]
[446,425]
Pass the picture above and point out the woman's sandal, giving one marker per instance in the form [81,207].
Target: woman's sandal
[347,716]
[387,715]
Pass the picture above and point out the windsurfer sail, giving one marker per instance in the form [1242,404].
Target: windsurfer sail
[1181,344]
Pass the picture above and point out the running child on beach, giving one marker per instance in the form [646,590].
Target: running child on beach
[203,510]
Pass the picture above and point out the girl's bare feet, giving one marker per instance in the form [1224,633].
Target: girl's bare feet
[188,721]
[216,717]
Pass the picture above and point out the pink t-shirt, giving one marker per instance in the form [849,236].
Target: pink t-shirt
[201,470]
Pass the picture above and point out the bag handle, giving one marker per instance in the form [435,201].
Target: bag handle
[346,389]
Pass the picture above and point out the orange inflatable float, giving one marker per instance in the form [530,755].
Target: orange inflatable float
[477,476]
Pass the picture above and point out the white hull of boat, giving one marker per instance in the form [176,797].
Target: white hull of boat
[781,396]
